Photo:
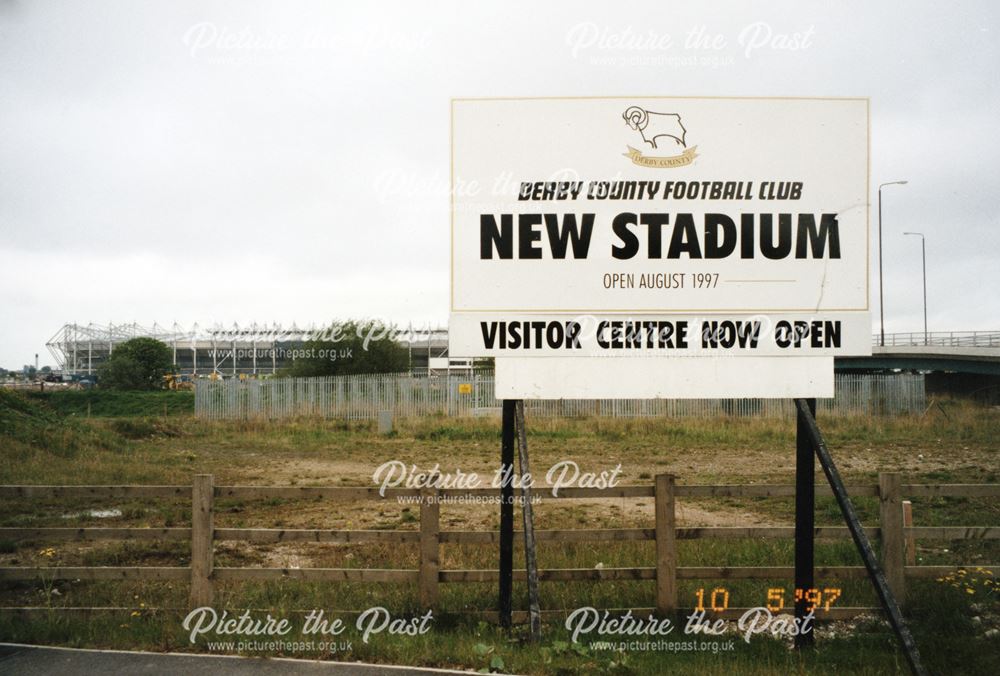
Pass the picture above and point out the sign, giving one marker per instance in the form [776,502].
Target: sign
[641,378]
[659,227]
[674,335]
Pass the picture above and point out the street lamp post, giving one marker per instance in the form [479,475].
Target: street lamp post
[881,296]
[923,256]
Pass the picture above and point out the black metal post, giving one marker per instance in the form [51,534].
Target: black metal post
[805,520]
[861,541]
[507,513]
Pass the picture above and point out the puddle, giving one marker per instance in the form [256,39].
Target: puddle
[95,514]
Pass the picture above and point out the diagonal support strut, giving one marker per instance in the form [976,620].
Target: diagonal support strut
[530,558]
[861,540]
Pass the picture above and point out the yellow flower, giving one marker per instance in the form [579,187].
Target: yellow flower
[970,591]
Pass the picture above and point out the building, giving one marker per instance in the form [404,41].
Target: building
[238,350]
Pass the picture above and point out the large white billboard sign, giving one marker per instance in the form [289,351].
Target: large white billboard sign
[639,378]
[663,227]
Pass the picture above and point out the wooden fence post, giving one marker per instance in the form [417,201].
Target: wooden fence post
[202,534]
[911,542]
[891,523]
[429,547]
[666,545]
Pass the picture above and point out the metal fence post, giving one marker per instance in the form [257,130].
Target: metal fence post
[666,545]
[202,533]
[891,523]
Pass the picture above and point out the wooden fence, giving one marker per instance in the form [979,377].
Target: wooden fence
[895,533]
[471,394]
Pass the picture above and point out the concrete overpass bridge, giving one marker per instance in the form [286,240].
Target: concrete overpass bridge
[975,352]
[956,362]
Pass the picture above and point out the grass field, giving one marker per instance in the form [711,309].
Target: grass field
[48,440]
[111,404]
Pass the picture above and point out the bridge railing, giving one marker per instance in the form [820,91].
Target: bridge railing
[941,339]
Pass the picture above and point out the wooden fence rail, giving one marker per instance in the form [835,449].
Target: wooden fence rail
[895,535]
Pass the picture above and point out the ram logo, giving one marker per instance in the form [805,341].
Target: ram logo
[652,126]
[657,129]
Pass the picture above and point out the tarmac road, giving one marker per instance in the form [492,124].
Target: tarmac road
[27,660]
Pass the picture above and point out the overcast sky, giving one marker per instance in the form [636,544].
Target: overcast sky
[220,162]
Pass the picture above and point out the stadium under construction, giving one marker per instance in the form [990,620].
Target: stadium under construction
[257,349]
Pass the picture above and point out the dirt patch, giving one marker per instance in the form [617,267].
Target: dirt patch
[285,556]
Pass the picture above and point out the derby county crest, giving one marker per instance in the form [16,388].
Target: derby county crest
[660,131]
